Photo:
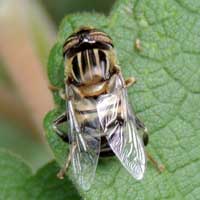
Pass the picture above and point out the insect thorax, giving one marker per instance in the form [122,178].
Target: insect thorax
[90,66]
[89,57]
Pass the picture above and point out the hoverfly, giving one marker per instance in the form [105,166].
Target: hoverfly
[102,122]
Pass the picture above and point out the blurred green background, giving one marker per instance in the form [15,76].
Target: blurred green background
[18,132]
[58,9]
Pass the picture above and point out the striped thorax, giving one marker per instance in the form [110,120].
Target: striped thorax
[90,60]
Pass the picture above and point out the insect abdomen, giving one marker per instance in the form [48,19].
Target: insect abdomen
[87,118]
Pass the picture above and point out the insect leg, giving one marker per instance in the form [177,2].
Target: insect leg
[60,120]
[61,91]
[160,168]
[130,81]
[53,88]
[145,135]
[63,170]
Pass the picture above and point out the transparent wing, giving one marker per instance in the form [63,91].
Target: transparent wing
[118,122]
[128,147]
[85,146]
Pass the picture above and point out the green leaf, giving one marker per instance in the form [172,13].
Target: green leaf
[166,96]
[14,173]
[44,185]
[17,181]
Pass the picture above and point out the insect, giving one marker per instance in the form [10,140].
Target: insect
[101,119]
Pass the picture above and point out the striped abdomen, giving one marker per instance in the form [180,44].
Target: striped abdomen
[90,66]
[87,118]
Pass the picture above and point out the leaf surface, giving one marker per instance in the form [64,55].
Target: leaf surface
[166,96]
[18,182]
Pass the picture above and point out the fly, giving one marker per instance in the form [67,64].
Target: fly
[101,119]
